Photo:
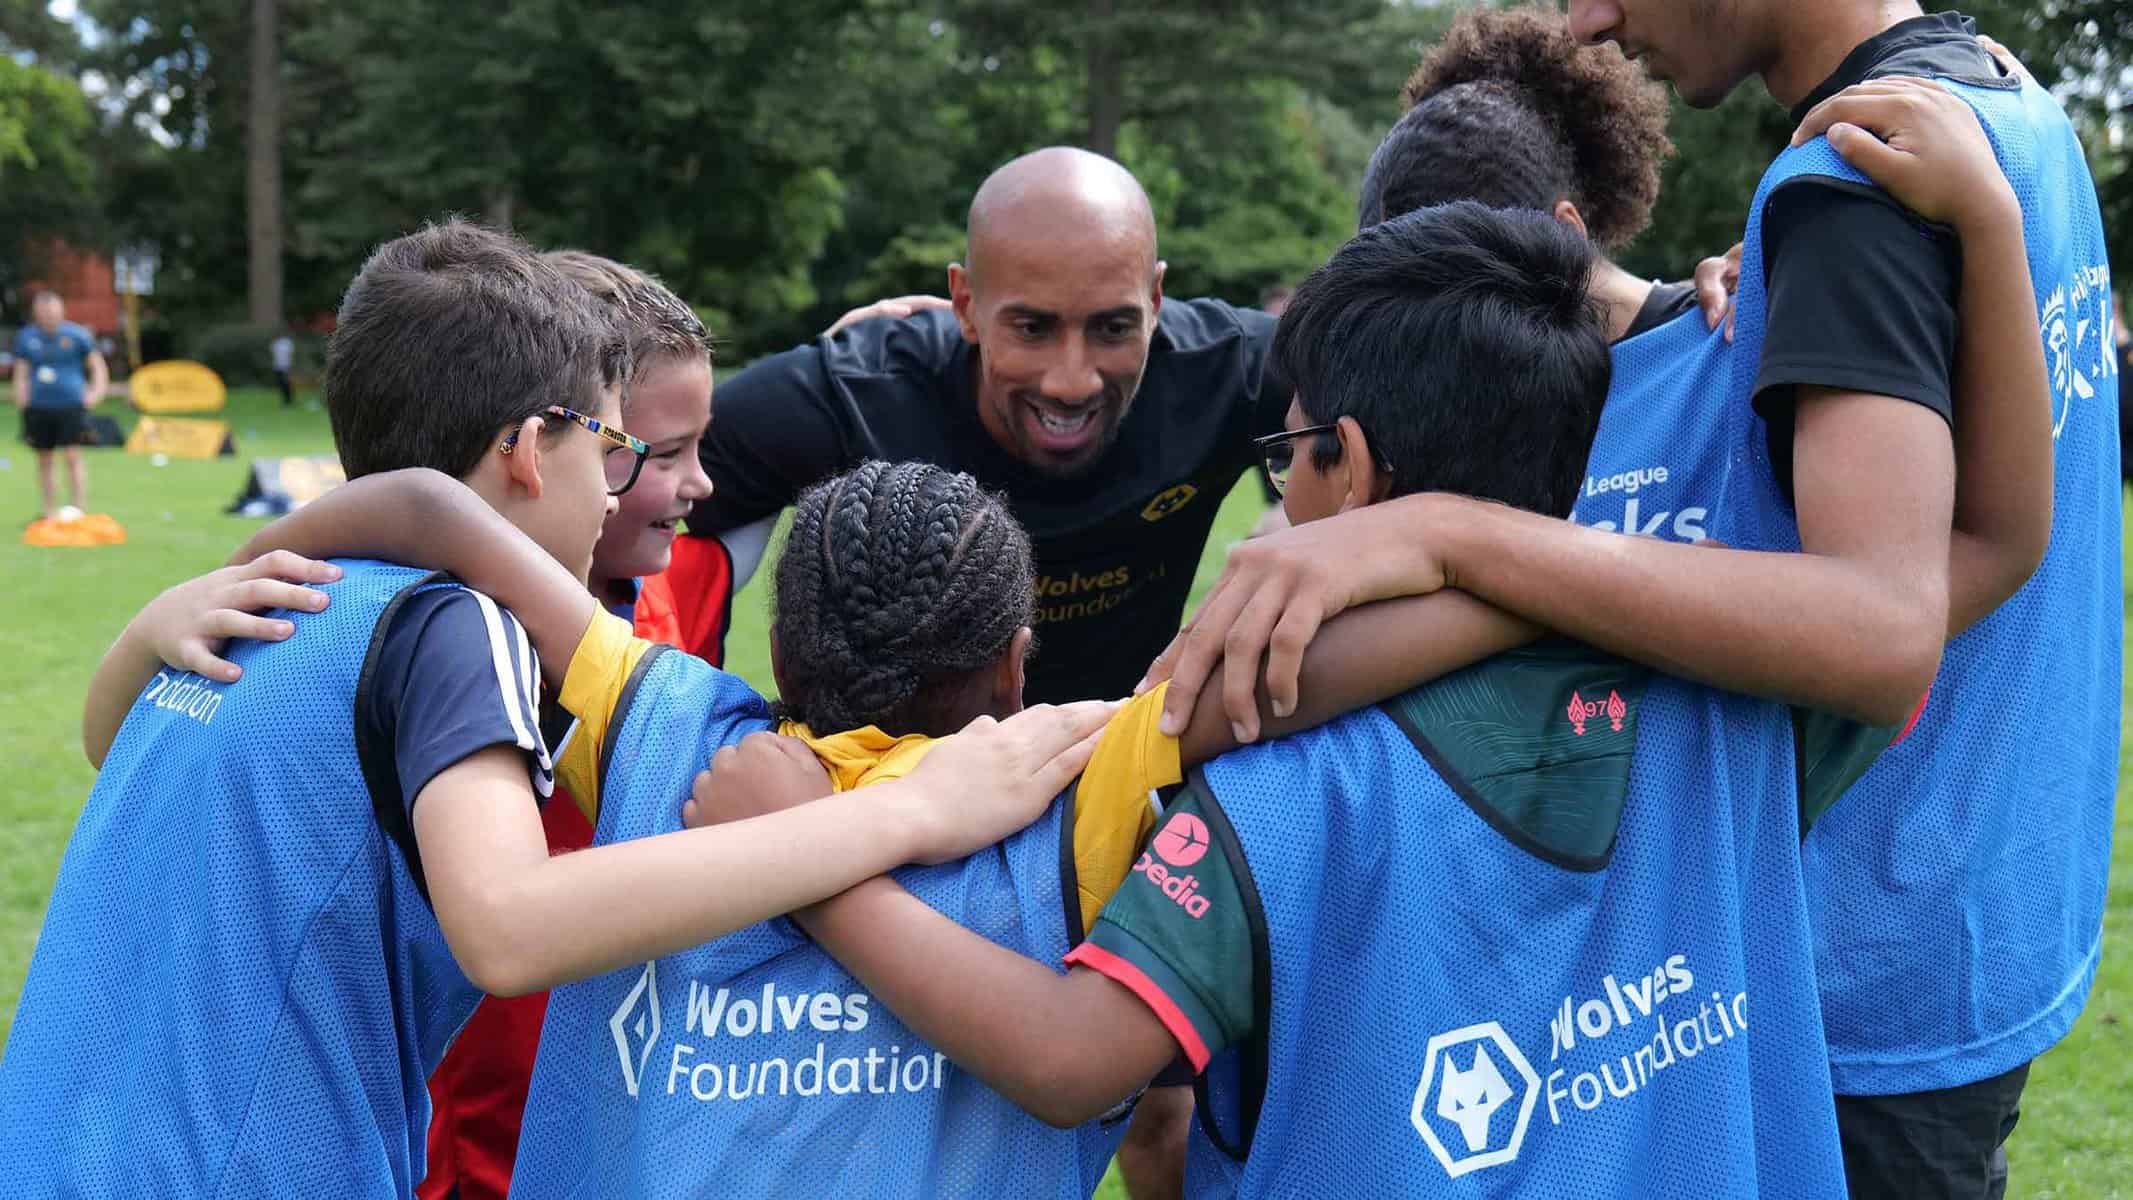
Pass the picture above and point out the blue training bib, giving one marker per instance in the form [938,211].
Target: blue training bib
[239,989]
[754,1065]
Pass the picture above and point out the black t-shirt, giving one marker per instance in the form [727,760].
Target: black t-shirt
[2125,412]
[1662,304]
[1863,295]
[1116,547]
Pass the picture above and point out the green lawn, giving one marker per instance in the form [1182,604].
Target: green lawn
[2076,1136]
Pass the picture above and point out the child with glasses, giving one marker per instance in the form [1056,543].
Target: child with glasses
[478,1092]
[285,894]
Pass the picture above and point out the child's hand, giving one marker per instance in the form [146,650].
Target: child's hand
[764,773]
[898,306]
[2006,59]
[1921,143]
[1717,278]
[1274,593]
[188,625]
[995,777]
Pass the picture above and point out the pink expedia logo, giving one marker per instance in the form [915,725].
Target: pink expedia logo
[1180,843]
[1582,710]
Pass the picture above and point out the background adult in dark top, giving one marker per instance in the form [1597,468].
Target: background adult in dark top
[1113,420]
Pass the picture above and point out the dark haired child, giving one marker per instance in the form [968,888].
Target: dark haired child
[1893,573]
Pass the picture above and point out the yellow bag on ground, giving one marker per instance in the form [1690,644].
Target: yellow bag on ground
[177,386]
[181,437]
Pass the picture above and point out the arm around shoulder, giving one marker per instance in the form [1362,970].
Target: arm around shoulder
[1065,1048]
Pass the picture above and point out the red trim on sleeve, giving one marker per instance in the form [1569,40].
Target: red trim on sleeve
[1916,713]
[1133,979]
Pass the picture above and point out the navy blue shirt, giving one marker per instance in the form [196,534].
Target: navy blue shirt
[456,674]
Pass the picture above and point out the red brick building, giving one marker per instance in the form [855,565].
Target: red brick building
[83,279]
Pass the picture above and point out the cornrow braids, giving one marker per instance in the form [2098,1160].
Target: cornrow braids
[1511,110]
[896,583]
[660,325]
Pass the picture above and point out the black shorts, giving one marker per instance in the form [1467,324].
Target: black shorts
[1944,1145]
[51,428]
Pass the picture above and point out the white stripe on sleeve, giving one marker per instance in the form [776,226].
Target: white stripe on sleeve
[500,656]
[529,667]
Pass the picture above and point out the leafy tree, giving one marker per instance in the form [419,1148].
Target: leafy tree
[263,216]
[2081,48]
[47,182]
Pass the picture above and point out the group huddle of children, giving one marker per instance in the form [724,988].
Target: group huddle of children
[1484,905]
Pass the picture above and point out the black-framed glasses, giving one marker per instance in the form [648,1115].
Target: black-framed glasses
[622,461]
[1277,453]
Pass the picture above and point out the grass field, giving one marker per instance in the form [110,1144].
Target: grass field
[2076,1134]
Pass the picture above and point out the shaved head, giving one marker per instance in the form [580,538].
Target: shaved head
[1059,295]
[1061,193]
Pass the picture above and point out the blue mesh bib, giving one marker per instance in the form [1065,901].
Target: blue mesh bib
[1957,890]
[239,989]
[1450,1014]
[754,1065]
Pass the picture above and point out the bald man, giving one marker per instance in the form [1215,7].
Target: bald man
[1113,421]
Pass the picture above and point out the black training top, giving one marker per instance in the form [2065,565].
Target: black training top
[2125,411]
[1862,294]
[1662,304]
[1116,547]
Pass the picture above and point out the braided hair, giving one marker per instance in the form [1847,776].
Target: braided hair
[1510,110]
[897,582]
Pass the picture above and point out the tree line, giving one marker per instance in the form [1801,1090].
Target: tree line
[776,163]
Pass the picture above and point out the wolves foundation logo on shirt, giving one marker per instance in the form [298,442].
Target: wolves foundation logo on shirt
[1464,1088]
[636,1026]
[715,1017]
[2078,338]
[1464,1106]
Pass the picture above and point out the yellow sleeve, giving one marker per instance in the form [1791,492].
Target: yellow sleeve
[1113,812]
[592,688]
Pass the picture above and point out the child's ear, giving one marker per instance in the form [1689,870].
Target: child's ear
[522,457]
[1012,672]
[1568,214]
[1366,485]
